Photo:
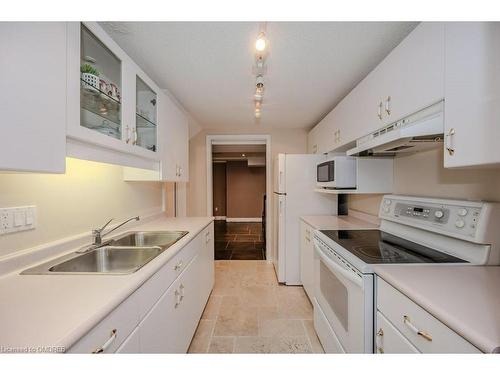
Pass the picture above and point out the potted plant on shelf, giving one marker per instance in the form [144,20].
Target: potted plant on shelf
[90,77]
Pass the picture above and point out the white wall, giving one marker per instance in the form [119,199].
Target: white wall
[75,202]
[423,174]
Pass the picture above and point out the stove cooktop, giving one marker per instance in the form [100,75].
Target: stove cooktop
[376,247]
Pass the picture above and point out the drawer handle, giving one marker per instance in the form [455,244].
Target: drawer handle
[178,298]
[425,335]
[107,344]
[178,266]
[380,333]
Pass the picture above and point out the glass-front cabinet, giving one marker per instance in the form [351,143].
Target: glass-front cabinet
[100,86]
[115,113]
[145,116]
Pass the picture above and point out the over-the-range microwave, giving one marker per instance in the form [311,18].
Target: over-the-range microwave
[338,172]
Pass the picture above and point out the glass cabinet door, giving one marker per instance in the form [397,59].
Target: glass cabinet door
[146,115]
[100,87]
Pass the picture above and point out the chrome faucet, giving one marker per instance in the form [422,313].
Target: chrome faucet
[97,234]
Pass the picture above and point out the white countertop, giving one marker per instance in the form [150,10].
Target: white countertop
[355,220]
[57,310]
[465,298]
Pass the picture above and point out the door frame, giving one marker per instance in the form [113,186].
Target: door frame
[242,139]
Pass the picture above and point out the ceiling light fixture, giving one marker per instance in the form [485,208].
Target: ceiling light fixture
[259,69]
[261,43]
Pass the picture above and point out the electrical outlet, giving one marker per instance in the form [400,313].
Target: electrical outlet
[16,219]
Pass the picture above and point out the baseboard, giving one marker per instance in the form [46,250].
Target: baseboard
[244,219]
[219,218]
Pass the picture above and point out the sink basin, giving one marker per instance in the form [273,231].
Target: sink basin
[161,239]
[109,259]
[123,255]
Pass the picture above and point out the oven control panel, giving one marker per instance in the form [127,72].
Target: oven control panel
[454,218]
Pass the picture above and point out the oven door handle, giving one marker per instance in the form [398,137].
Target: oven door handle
[335,267]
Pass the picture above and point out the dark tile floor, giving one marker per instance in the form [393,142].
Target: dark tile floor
[242,241]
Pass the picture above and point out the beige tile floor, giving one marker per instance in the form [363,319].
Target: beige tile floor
[249,312]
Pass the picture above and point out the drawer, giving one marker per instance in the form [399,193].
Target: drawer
[389,340]
[112,330]
[328,338]
[155,286]
[422,329]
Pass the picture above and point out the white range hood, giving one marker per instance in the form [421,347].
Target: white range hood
[420,131]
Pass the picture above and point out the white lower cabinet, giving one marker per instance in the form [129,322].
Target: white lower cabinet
[131,345]
[307,258]
[167,327]
[389,340]
[162,315]
[400,318]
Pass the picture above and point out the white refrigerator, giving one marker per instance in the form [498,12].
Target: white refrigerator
[293,197]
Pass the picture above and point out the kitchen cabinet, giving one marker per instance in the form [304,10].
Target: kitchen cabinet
[421,330]
[175,134]
[162,315]
[472,90]
[307,258]
[410,78]
[131,345]
[32,100]
[389,340]
[167,327]
[110,111]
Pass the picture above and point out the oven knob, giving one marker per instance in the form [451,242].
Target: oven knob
[387,209]
[387,202]
[459,223]
[439,214]
[462,212]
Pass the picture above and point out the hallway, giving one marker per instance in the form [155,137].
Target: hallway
[249,312]
[239,241]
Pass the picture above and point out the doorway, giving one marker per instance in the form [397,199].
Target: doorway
[238,180]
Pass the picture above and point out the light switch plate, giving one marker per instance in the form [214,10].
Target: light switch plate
[16,219]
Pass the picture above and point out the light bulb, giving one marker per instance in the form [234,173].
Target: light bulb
[260,44]
[257,113]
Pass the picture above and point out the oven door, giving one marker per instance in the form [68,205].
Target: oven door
[345,298]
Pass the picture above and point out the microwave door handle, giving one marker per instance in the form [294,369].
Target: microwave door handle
[334,267]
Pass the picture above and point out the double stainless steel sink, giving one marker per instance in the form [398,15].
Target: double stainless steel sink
[123,255]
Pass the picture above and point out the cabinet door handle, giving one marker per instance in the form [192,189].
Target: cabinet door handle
[180,171]
[178,266]
[107,344]
[425,335]
[388,105]
[315,149]
[380,334]
[207,237]
[379,113]
[135,137]
[449,141]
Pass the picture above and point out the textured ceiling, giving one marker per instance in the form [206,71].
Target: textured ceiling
[207,66]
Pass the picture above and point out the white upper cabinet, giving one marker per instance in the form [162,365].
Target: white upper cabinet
[33,100]
[472,88]
[109,119]
[174,133]
[410,78]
